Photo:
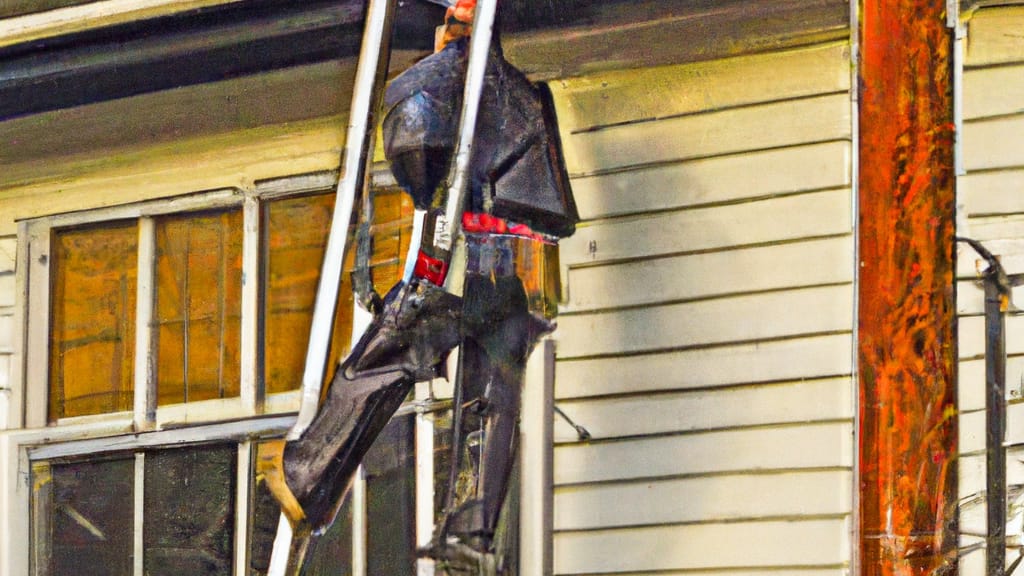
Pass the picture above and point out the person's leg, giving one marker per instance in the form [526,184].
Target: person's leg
[408,341]
[499,333]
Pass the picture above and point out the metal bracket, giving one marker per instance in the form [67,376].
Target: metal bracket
[582,432]
[998,292]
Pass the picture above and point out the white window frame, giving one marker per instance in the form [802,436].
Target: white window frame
[252,416]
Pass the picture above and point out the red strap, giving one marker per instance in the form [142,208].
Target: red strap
[431,269]
[481,223]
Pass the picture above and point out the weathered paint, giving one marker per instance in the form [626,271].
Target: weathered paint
[908,426]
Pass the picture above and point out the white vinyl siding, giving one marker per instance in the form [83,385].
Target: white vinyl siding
[7,248]
[992,200]
[705,340]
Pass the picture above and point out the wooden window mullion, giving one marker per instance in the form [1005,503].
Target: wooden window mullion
[252,391]
[145,382]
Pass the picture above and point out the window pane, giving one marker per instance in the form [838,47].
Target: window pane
[330,553]
[188,525]
[93,320]
[391,500]
[297,230]
[198,306]
[83,517]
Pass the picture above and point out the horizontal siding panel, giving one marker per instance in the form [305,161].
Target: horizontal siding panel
[823,445]
[808,401]
[971,382]
[1009,250]
[993,91]
[972,336]
[972,472]
[739,545]
[989,193]
[994,36]
[5,372]
[719,498]
[792,359]
[702,229]
[715,133]
[7,255]
[623,96]
[972,428]
[746,318]
[987,143]
[712,274]
[6,332]
[974,563]
[970,296]
[986,229]
[6,289]
[714,180]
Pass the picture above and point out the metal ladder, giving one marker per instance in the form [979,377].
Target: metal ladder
[371,74]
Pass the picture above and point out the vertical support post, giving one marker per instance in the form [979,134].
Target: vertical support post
[361,320]
[243,507]
[139,496]
[995,426]
[536,522]
[424,477]
[906,320]
[360,526]
[36,347]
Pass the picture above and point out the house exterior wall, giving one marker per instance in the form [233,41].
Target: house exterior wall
[705,340]
[992,211]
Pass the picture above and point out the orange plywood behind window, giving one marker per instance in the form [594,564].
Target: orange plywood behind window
[198,306]
[93,326]
[297,231]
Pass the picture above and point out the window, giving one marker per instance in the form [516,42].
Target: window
[80,516]
[165,342]
[150,312]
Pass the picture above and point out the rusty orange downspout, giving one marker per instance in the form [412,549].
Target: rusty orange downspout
[906,351]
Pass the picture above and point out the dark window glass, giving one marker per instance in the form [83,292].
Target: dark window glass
[188,525]
[263,525]
[391,500]
[331,553]
[83,517]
